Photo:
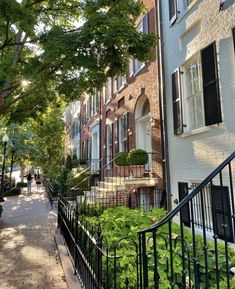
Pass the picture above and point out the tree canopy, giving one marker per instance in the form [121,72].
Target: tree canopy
[64,47]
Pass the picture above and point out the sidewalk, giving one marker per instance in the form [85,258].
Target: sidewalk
[28,254]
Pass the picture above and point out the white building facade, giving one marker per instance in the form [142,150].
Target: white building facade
[199,71]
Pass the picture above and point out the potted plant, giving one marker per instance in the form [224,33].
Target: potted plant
[121,162]
[132,163]
[82,163]
[137,159]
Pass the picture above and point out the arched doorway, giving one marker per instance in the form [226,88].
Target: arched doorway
[143,127]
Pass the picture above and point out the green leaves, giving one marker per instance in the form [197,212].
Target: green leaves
[66,48]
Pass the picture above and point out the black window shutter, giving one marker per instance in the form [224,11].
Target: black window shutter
[177,106]
[210,85]
[234,38]
[172,10]
[116,137]
[221,212]
[127,128]
[185,213]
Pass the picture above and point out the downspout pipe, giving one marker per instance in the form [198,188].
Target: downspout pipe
[162,102]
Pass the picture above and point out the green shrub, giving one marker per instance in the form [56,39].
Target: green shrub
[1,210]
[75,157]
[119,228]
[137,157]
[121,159]
[69,164]
[21,185]
[13,192]
[82,162]
[77,177]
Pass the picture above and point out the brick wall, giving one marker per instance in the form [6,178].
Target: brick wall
[144,83]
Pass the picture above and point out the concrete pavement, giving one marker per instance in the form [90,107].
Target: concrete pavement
[28,254]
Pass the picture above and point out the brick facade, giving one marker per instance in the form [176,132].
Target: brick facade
[142,85]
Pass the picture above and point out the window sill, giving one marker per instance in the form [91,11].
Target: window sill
[196,131]
[107,102]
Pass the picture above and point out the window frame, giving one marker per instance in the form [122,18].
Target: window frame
[185,97]
[123,141]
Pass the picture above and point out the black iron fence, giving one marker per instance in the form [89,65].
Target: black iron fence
[97,264]
[192,247]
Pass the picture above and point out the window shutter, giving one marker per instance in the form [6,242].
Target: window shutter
[116,137]
[127,128]
[221,211]
[234,38]
[177,106]
[185,213]
[172,10]
[145,24]
[210,85]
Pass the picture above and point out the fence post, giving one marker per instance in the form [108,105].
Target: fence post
[99,256]
[127,283]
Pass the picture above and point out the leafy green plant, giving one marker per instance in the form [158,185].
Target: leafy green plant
[121,159]
[119,230]
[80,178]
[75,157]
[1,210]
[13,192]
[21,185]
[69,164]
[137,157]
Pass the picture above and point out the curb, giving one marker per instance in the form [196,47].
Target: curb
[71,279]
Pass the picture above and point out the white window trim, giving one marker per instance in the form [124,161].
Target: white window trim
[185,11]
[185,107]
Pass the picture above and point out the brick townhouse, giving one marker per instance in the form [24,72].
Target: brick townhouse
[126,114]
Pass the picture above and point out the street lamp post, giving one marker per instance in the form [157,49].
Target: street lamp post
[5,140]
[13,150]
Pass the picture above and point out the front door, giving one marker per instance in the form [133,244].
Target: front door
[95,153]
[144,140]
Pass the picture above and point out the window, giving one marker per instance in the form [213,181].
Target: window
[193,92]
[109,143]
[119,82]
[122,133]
[135,65]
[108,89]
[172,10]
[188,2]
[199,103]
[75,128]
[94,101]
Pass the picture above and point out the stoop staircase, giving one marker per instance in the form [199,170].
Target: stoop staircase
[117,186]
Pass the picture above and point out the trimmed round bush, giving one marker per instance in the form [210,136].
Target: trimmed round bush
[121,159]
[137,157]
[21,185]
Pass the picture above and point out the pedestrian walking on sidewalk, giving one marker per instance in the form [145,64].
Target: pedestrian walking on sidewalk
[29,182]
[38,181]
